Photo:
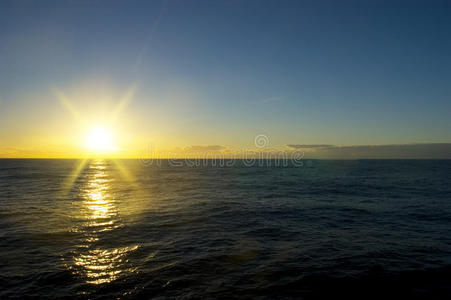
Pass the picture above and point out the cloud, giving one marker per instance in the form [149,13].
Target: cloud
[204,148]
[393,151]
[15,152]
[328,151]
[308,146]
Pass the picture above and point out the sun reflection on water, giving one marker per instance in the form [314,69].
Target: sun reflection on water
[94,260]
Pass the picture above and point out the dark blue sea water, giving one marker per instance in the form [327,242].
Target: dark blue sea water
[121,229]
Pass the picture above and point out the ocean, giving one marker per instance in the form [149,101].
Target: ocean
[107,229]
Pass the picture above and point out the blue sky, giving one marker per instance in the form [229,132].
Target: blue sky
[221,72]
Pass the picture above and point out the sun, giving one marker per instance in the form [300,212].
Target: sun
[100,139]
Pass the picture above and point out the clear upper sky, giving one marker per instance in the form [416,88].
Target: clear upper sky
[221,72]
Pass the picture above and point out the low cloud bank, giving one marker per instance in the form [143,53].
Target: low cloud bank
[401,151]
[313,146]
[205,148]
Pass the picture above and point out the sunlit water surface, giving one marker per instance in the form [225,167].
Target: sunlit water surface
[122,229]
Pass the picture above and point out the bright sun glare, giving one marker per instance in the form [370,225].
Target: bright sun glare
[100,139]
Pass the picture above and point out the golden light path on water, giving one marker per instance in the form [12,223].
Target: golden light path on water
[93,259]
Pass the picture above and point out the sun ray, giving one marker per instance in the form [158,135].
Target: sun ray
[123,102]
[67,104]
[68,183]
[124,171]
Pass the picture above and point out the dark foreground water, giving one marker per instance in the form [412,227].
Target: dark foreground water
[364,229]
